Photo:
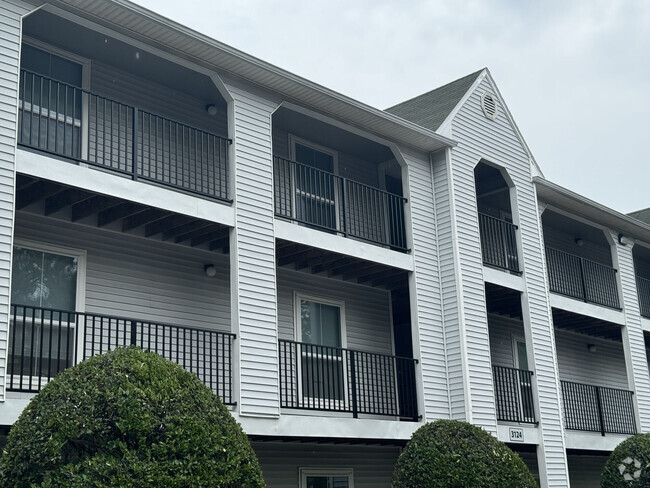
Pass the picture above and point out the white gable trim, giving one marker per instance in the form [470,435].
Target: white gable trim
[445,127]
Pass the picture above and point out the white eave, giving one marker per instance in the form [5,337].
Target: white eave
[148,26]
[576,204]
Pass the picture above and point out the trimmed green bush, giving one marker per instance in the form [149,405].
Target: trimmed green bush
[629,464]
[128,418]
[452,454]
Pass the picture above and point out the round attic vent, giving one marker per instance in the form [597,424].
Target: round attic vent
[489,105]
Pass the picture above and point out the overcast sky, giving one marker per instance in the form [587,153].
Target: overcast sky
[575,74]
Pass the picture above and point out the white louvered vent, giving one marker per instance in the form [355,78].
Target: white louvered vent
[489,106]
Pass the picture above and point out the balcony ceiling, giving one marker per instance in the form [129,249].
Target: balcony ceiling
[503,301]
[586,325]
[97,47]
[72,204]
[575,228]
[338,266]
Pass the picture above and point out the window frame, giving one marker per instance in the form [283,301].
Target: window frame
[325,472]
[311,400]
[85,85]
[80,295]
[293,140]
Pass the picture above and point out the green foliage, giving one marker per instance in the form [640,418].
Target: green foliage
[452,454]
[633,454]
[127,418]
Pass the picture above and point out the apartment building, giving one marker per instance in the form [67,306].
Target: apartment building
[339,275]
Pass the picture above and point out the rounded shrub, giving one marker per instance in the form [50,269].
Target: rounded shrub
[629,464]
[128,418]
[449,453]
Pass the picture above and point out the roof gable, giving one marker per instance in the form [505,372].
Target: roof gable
[431,109]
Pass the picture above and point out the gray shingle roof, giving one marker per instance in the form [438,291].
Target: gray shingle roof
[430,109]
[642,215]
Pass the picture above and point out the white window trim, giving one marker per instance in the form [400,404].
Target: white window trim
[79,254]
[304,472]
[85,85]
[298,296]
[293,140]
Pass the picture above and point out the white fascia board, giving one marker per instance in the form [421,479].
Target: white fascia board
[590,310]
[445,127]
[322,425]
[592,441]
[503,278]
[554,194]
[289,231]
[269,76]
[104,183]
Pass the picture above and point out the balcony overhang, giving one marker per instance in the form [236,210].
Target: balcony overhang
[82,206]
[167,36]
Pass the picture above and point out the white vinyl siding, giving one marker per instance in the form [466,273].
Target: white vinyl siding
[604,367]
[502,330]
[372,465]
[426,303]
[498,142]
[252,253]
[11,12]
[142,279]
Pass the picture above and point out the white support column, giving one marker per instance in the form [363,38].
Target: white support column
[11,13]
[252,254]
[636,362]
[540,337]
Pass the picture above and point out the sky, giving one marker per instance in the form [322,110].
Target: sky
[575,74]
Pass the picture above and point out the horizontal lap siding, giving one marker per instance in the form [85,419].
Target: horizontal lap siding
[367,310]
[502,331]
[253,254]
[605,367]
[141,279]
[584,471]
[497,142]
[633,336]
[372,466]
[451,300]
[563,241]
[11,12]
[428,313]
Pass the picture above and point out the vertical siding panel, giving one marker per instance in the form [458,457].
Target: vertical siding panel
[497,141]
[633,340]
[253,255]
[425,291]
[11,12]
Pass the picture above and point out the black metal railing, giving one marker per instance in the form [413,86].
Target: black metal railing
[499,243]
[343,380]
[581,278]
[324,200]
[67,121]
[598,409]
[643,292]
[43,342]
[513,390]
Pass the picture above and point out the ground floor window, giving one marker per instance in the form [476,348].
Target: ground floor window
[326,478]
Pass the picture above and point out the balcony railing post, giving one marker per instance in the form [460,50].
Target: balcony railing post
[134,333]
[344,199]
[600,411]
[582,279]
[134,145]
[353,384]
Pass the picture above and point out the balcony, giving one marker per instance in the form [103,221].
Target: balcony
[499,243]
[580,278]
[44,342]
[332,203]
[597,409]
[81,126]
[333,379]
[514,395]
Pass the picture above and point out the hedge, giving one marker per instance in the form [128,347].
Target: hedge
[629,464]
[127,418]
[449,453]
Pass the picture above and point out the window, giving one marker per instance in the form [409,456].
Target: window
[525,386]
[45,293]
[322,368]
[316,187]
[51,105]
[326,478]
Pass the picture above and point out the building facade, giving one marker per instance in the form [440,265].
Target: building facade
[339,275]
